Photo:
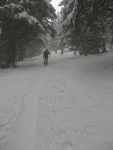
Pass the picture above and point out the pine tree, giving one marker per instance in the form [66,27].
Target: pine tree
[86,23]
[22,22]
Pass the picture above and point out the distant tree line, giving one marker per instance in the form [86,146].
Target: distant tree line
[87,24]
[23,23]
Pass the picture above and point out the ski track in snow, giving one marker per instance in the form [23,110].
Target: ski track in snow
[67,105]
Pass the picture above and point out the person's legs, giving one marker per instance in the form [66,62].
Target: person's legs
[45,61]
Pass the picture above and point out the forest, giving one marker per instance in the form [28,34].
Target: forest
[25,26]
[87,24]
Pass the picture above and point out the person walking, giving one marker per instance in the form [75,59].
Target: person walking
[46,54]
[62,50]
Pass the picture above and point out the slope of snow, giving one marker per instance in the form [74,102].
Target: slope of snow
[67,105]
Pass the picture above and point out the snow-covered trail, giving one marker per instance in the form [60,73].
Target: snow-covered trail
[67,105]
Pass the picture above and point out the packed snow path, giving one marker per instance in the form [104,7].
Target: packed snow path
[67,105]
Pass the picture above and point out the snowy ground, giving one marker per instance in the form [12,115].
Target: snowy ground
[67,105]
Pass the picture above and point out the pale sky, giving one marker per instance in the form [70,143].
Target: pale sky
[55,4]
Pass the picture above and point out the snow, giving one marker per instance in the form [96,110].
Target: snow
[25,15]
[67,105]
[15,5]
[22,14]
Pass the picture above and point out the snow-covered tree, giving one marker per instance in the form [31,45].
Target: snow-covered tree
[22,22]
[54,43]
[86,23]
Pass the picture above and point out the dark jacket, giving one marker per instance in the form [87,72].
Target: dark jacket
[46,53]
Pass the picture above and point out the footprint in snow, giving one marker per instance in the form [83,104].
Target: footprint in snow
[67,145]
[61,91]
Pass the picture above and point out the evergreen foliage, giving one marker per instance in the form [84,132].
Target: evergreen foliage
[86,23]
[23,22]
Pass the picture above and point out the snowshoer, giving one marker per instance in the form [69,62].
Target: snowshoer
[46,54]
[62,50]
